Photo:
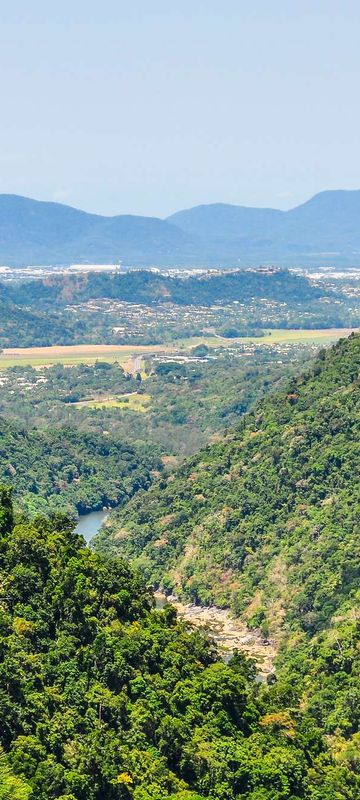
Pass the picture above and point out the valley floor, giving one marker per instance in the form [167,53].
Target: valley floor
[69,355]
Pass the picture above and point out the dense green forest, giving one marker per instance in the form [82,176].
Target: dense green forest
[104,698]
[29,327]
[70,470]
[266,521]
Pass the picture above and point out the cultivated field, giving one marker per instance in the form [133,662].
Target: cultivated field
[70,355]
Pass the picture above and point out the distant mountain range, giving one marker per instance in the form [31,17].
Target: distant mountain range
[324,230]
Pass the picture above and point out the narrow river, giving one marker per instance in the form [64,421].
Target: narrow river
[90,524]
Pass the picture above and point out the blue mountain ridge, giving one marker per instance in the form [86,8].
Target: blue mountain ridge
[324,230]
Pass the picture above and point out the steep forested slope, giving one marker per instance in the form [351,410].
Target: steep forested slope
[103,698]
[279,492]
[72,470]
[267,521]
[23,327]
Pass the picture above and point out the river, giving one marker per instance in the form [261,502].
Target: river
[90,524]
[229,634]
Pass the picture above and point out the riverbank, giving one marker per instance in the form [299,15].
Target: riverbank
[229,634]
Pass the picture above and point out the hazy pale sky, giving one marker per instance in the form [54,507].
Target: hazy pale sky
[149,106]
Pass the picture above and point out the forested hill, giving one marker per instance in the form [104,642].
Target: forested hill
[40,312]
[144,286]
[267,522]
[62,468]
[270,510]
[103,698]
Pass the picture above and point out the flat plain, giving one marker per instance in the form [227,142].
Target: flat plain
[70,355]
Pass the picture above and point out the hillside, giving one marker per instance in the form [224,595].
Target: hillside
[323,230]
[29,327]
[266,522]
[146,307]
[279,479]
[63,468]
[327,214]
[146,287]
[103,698]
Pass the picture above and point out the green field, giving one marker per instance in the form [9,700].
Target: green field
[126,402]
[281,335]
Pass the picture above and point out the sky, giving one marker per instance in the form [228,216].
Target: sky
[150,106]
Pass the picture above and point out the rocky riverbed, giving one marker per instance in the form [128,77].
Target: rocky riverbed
[229,634]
